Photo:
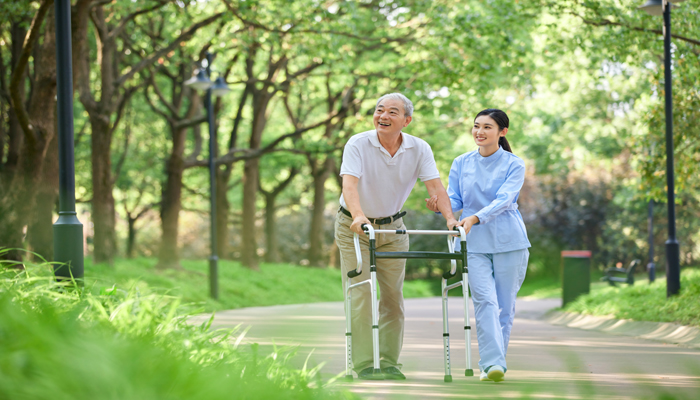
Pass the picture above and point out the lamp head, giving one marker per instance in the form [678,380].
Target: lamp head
[200,81]
[220,87]
[656,7]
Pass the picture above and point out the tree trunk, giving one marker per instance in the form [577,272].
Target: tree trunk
[19,195]
[171,203]
[316,231]
[272,253]
[11,223]
[249,256]
[131,238]
[223,209]
[103,212]
[40,232]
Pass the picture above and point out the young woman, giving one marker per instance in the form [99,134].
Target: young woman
[485,185]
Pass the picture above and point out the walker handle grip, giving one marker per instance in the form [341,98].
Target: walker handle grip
[354,273]
[449,274]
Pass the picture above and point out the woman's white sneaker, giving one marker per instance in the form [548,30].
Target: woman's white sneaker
[496,373]
[484,376]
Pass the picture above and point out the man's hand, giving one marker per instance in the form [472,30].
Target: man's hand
[468,222]
[451,223]
[357,223]
[431,203]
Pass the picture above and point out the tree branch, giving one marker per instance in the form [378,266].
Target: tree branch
[159,94]
[156,109]
[122,103]
[122,24]
[606,22]
[188,122]
[255,24]
[186,35]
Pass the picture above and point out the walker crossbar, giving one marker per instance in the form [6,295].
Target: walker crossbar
[373,254]
[432,255]
[416,232]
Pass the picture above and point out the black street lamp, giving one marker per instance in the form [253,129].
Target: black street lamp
[651,267]
[673,269]
[201,81]
[67,230]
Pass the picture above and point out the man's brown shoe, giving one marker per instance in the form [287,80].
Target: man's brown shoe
[368,374]
[393,373]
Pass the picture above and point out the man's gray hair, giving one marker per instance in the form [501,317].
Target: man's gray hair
[407,104]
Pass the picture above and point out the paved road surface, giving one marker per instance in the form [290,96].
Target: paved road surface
[544,361]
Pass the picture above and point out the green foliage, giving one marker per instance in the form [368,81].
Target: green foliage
[63,343]
[239,287]
[646,302]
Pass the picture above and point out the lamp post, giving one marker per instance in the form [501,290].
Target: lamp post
[201,81]
[67,230]
[673,269]
[651,267]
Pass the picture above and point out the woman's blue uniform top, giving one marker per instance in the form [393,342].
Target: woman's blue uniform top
[488,187]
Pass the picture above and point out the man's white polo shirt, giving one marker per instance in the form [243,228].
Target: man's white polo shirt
[385,181]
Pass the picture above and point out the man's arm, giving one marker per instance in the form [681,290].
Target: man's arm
[352,201]
[436,189]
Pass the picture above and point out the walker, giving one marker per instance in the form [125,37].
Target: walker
[373,256]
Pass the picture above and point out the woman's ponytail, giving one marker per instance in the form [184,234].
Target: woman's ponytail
[503,142]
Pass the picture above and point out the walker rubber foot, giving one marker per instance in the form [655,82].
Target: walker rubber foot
[468,372]
[448,378]
[348,378]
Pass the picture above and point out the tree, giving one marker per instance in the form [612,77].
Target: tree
[31,128]
[116,70]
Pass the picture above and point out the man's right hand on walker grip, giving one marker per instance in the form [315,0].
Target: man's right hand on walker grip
[357,223]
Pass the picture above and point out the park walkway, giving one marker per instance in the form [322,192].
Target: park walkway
[545,361]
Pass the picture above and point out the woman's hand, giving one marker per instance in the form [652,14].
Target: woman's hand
[468,222]
[431,203]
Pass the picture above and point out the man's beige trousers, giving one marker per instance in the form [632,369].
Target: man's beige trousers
[390,276]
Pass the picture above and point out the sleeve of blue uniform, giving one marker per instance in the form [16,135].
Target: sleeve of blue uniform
[454,191]
[506,194]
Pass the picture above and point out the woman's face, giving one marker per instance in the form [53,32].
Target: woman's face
[485,132]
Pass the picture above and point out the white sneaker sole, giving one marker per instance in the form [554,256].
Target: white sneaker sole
[496,375]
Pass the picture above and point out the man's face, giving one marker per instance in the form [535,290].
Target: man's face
[390,117]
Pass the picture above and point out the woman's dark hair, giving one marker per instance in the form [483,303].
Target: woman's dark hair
[502,120]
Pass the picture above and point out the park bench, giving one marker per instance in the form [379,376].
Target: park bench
[613,275]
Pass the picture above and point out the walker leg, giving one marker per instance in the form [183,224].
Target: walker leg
[446,333]
[467,327]
[348,332]
[375,323]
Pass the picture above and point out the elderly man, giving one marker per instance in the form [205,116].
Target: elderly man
[379,169]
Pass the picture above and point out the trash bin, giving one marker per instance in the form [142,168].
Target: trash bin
[576,274]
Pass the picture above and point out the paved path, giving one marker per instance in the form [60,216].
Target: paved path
[544,361]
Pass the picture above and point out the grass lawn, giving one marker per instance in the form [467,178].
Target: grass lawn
[646,302]
[274,284]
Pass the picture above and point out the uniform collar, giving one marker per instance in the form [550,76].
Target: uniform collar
[493,157]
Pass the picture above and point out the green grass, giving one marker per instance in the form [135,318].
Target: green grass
[273,284]
[58,343]
[645,302]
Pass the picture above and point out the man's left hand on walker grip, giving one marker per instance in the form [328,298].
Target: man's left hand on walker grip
[357,224]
